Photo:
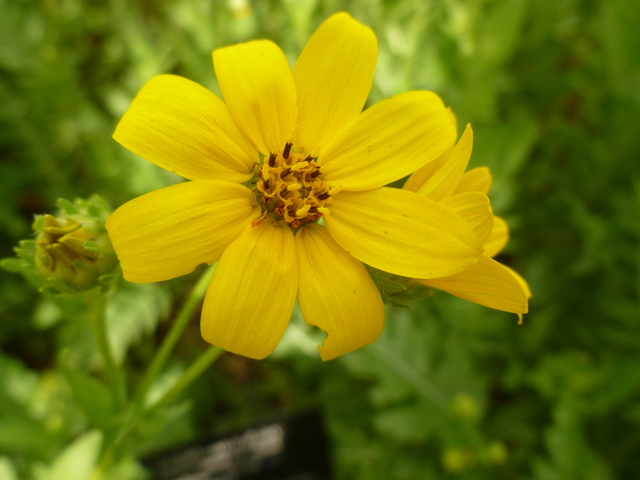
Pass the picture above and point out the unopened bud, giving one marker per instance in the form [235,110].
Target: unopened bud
[72,251]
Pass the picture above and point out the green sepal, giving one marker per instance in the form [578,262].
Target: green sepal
[396,290]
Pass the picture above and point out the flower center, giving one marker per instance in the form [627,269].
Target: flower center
[290,188]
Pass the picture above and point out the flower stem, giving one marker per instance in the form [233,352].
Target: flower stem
[97,304]
[181,322]
[192,373]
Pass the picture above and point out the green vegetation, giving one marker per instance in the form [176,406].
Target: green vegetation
[452,389]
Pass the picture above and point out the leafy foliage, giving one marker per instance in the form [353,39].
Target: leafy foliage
[451,389]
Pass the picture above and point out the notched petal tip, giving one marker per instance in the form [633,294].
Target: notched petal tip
[336,294]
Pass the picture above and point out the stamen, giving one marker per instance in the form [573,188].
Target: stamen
[302,212]
[324,196]
[299,166]
[287,150]
[257,221]
[272,160]
[315,173]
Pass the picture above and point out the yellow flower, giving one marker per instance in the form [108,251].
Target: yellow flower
[445,181]
[287,149]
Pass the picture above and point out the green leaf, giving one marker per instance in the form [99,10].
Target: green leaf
[77,461]
[7,469]
[94,397]
[396,290]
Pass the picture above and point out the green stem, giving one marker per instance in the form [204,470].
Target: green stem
[181,322]
[193,372]
[97,304]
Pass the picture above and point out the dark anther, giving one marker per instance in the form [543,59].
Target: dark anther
[323,196]
[265,183]
[285,172]
[272,160]
[308,159]
[315,173]
[313,210]
[287,150]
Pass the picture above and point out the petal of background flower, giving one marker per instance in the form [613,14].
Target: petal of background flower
[487,283]
[445,180]
[475,209]
[169,232]
[252,293]
[336,294]
[402,233]
[388,141]
[498,238]
[256,82]
[184,128]
[333,77]
[475,180]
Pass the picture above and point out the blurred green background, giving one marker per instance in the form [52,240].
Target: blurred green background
[452,389]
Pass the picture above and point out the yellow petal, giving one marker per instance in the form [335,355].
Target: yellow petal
[523,283]
[498,238]
[486,283]
[443,182]
[184,128]
[417,178]
[336,294]
[252,293]
[388,141]
[333,77]
[256,82]
[402,233]
[475,209]
[169,232]
[475,180]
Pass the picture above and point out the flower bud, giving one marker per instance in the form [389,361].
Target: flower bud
[72,251]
